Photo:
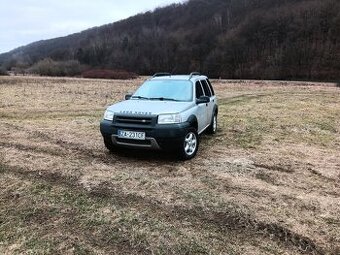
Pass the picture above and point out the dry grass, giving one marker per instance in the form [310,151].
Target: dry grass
[267,183]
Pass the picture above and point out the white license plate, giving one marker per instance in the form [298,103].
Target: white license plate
[131,135]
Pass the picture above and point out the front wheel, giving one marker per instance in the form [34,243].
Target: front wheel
[190,145]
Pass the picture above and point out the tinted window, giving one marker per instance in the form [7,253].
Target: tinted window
[199,91]
[206,88]
[211,88]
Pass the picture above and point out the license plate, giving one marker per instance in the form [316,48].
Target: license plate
[131,135]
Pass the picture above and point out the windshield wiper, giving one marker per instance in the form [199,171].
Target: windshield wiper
[164,99]
[140,97]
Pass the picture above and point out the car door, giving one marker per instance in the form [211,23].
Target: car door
[213,98]
[210,105]
[202,109]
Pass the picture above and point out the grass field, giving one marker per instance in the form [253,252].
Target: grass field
[267,183]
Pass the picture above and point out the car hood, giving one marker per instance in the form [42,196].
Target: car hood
[145,107]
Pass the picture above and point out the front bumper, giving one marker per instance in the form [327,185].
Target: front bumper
[158,137]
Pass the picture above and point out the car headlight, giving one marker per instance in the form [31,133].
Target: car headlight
[169,119]
[108,115]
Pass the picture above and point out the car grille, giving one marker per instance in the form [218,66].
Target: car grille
[140,120]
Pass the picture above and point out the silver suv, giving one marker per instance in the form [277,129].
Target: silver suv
[167,112]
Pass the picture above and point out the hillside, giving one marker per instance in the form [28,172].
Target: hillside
[263,39]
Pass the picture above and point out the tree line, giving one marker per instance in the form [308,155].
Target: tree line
[248,39]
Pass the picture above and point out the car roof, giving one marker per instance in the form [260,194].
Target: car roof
[180,77]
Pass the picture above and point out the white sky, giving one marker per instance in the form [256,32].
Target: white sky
[26,21]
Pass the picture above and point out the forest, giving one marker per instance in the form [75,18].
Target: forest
[235,39]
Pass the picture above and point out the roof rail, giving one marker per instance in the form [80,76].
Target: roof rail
[194,74]
[161,74]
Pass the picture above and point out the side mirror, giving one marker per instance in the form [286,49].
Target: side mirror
[203,100]
[128,96]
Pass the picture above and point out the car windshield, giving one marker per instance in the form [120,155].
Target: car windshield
[167,90]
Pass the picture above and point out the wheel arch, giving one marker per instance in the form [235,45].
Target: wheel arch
[193,121]
[215,109]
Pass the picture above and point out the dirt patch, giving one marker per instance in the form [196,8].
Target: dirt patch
[285,169]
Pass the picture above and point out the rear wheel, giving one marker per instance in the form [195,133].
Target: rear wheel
[189,145]
[109,144]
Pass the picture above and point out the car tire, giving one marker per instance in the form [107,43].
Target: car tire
[212,129]
[190,144]
[109,144]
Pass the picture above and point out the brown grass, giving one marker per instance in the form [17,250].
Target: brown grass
[267,183]
[109,74]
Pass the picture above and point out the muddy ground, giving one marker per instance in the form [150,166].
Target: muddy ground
[267,183]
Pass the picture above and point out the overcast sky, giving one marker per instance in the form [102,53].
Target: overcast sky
[26,21]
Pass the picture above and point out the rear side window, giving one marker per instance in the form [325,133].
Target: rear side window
[199,91]
[206,88]
[211,88]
